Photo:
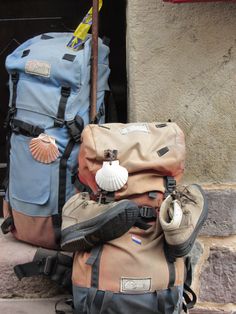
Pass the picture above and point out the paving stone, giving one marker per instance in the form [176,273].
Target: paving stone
[218,277]
[222,213]
[207,311]
[32,306]
[14,252]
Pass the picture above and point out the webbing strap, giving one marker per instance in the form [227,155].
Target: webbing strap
[31,269]
[80,186]
[56,219]
[62,174]
[171,266]
[98,301]
[140,223]
[65,93]
[7,225]
[90,300]
[188,302]
[10,115]
[26,129]
[94,261]
[99,115]
[106,301]
[50,263]
[15,80]
[12,111]
[166,301]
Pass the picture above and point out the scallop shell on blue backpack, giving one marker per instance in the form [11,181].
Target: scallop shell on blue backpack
[44,149]
[111,177]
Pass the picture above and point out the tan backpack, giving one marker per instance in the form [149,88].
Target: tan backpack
[151,152]
[132,274]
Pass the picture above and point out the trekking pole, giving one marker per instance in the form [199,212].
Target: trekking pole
[94,73]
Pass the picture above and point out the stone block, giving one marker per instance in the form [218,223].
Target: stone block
[14,252]
[209,311]
[30,306]
[221,219]
[218,277]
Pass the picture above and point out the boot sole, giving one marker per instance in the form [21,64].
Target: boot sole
[105,227]
[183,249]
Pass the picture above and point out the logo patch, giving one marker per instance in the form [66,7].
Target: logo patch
[40,68]
[135,285]
[135,128]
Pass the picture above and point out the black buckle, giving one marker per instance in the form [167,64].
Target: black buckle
[20,127]
[11,112]
[65,91]
[170,186]
[105,197]
[48,265]
[34,130]
[59,123]
[15,77]
[147,212]
[75,128]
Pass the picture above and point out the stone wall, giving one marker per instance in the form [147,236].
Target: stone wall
[182,66]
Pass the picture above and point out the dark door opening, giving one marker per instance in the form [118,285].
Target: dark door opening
[22,19]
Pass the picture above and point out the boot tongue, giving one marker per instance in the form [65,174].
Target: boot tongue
[175,214]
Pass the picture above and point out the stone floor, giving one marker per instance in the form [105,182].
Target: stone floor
[30,306]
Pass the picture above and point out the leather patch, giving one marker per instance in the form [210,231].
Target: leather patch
[135,128]
[69,57]
[162,151]
[25,53]
[40,68]
[135,285]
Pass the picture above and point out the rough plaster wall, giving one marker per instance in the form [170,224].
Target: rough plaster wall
[182,66]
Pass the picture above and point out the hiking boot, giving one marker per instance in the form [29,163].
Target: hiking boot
[182,214]
[86,223]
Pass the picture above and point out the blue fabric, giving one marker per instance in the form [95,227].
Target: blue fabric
[33,186]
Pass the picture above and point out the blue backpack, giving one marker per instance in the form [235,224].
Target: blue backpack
[49,106]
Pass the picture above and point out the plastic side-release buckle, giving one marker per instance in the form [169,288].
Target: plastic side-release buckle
[75,128]
[147,212]
[59,123]
[170,185]
[49,264]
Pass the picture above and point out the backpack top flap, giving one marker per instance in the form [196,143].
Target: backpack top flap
[148,149]
[45,65]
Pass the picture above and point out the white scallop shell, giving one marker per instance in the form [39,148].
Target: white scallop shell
[111,177]
[44,149]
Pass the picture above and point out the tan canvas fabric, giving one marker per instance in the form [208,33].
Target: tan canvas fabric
[125,259]
[35,230]
[148,151]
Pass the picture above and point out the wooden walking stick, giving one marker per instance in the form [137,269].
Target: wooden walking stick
[94,73]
